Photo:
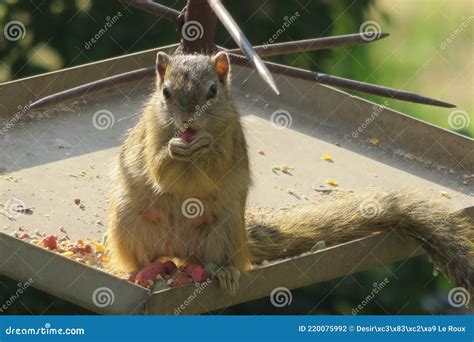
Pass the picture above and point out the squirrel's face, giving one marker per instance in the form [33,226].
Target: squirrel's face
[193,90]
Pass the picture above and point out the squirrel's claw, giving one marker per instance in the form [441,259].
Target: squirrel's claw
[228,277]
[180,149]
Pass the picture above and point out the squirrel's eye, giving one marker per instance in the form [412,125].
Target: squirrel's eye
[166,93]
[212,91]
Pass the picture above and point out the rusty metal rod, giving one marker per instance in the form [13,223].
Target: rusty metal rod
[153,8]
[334,81]
[314,44]
[92,87]
[265,50]
[197,26]
[345,83]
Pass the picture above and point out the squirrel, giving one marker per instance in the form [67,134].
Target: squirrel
[182,177]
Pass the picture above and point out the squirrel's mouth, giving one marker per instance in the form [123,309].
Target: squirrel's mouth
[188,134]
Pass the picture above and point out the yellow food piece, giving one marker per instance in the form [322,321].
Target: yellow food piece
[326,157]
[99,248]
[332,182]
[67,254]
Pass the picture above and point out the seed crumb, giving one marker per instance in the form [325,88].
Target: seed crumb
[374,141]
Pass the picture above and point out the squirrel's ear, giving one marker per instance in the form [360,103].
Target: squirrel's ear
[162,61]
[222,65]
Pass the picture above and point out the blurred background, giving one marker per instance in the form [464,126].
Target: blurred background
[430,51]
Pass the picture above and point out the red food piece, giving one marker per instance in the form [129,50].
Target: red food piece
[50,242]
[150,272]
[87,249]
[188,269]
[188,134]
[200,275]
[170,267]
[25,236]
[77,249]
[181,279]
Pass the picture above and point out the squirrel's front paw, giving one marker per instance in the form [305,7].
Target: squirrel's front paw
[178,148]
[228,277]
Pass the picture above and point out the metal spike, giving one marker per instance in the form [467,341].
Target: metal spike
[92,87]
[239,37]
[134,75]
[314,44]
[345,83]
[153,8]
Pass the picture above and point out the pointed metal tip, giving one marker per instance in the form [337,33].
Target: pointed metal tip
[267,76]
[265,73]
[370,37]
[449,105]
[270,80]
[275,89]
[433,102]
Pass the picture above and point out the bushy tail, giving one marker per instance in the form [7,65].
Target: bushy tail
[447,238]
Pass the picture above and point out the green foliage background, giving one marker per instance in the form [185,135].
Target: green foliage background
[58,29]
